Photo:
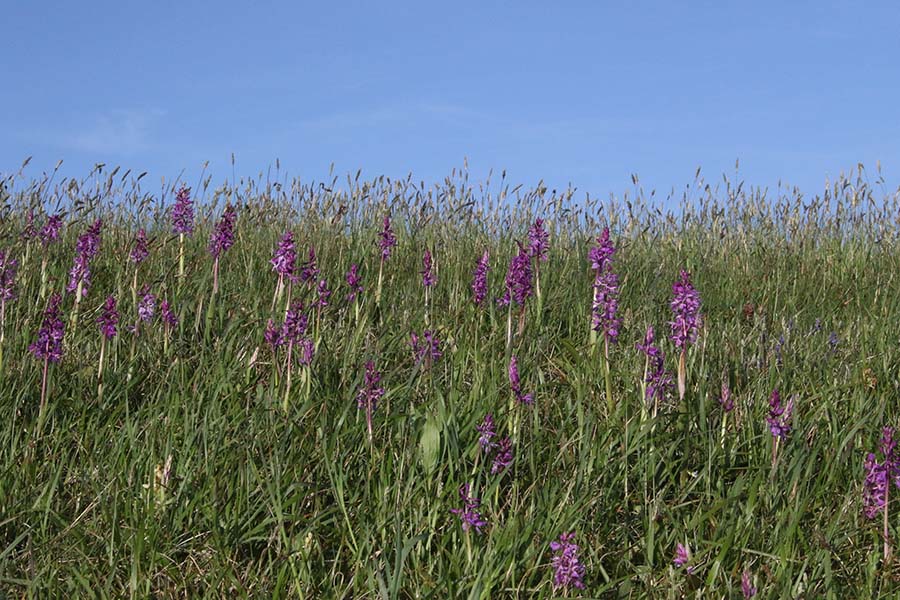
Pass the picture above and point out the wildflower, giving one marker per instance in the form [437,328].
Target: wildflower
[658,379]
[601,254]
[50,230]
[167,314]
[183,212]
[486,429]
[479,279]
[682,556]
[386,239]
[370,394]
[310,269]
[647,346]
[146,305]
[222,237]
[109,318]
[606,289]
[88,243]
[354,281]
[8,268]
[139,251]
[833,341]
[323,294]
[504,456]
[307,350]
[285,258]
[427,348]
[779,347]
[747,587]
[518,279]
[879,475]
[779,415]
[725,399]
[686,309]
[515,384]
[428,277]
[80,276]
[273,335]
[29,231]
[606,304]
[567,568]
[48,345]
[538,241]
[295,323]
[469,515]
[86,248]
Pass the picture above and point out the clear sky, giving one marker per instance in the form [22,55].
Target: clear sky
[581,92]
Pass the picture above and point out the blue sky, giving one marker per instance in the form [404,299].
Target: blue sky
[587,93]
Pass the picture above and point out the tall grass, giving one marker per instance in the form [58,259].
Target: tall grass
[188,478]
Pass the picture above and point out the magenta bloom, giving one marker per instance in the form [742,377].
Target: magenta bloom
[567,568]
[386,239]
[686,310]
[601,254]
[310,269]
[538,241]
[682,556]
[109,318]
[29,231]
[879,475]
[139,252]
[273,335]
[875,486]
[50,230]
[606,305]
[88,243]
[515,384]
[479,279]
[183,212]
[285,259]
[503,457]
[779,418]
[747,588]
[323,294]
[606,290]
[469,515]
[306,349]
[428,277]
[222,237]
[80,273]
[370,394]
[146,305]
[8,268]
[372,391]
[487,432]
[167,314]
[86,248]
[295,323]
[354,282]
[659,381]
[725,399]
[426,348]
[48,345]
[518,279]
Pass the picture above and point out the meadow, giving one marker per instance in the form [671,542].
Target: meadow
[252,415]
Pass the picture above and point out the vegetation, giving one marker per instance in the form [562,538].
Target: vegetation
[203,457]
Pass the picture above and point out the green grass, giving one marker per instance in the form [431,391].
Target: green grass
[263,502]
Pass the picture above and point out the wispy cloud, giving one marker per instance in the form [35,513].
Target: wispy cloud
[118,132]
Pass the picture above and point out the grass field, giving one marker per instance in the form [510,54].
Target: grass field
[196,460]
